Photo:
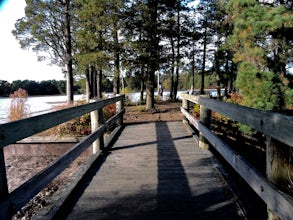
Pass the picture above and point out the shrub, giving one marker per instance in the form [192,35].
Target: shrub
[79,126]
[18,106]
[109,111]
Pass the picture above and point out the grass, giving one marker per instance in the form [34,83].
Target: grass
[18,106]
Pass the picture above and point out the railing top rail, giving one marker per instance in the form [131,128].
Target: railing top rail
[275,125]
[17,130]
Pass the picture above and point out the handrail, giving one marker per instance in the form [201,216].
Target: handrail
[17,130]
[273,125]
[14,131]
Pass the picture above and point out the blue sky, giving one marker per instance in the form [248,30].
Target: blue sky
[16,63]
[2,3]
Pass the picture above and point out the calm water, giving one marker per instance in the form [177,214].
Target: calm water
[42,104]
[37,105]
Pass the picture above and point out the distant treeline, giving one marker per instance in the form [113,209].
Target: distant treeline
[47,87]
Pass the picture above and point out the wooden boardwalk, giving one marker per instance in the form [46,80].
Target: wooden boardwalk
[155,171]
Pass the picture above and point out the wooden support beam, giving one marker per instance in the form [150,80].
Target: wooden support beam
[278,167]
[3,178]
[185,105]
[205,118]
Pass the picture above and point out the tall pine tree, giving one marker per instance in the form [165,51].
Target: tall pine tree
[46,28]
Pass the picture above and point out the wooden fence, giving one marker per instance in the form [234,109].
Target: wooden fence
[276,127]
[12,132]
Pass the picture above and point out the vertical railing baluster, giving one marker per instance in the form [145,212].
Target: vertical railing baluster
[185,105]
[100,123]
[96,121]
[277,167]
[205,118]
[119,108]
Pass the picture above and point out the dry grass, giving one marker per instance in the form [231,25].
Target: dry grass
[18,106]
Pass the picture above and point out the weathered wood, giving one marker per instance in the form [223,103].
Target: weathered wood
[96,122]
[120,107]
[190,118]
[275,125]
[94,126]
[15,200]
[205,118]
[53,207]
[17,130]
[3,178]
[276,200]
[185,106]
[25,192]
[159,173]
[277,167]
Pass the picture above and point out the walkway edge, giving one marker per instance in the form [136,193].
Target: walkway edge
[60,197]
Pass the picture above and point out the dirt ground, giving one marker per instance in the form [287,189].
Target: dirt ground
[20,169]
[164,111]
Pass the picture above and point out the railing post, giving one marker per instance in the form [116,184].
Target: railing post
[119,108]
[277,166]
[185,105]
[96,122]
[205,118]
[3,177]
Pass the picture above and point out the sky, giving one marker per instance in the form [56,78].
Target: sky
[16,63]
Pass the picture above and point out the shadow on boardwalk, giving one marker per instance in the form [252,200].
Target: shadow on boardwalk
[154,171]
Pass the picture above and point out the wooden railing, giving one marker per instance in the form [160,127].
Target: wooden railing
[12,132]
[276,127]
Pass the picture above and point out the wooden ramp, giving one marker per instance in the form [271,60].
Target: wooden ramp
[155,171]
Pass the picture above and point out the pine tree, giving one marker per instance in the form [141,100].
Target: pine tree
[252,39]
[92,36]
[46,28]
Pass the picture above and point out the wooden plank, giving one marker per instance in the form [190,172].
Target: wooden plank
[29,189]
[191,98]
[15,131]
[275,125]
[3,178]
[276,200]
[49,211]
[159,173]
[272,124]
[205,118]
[190,118]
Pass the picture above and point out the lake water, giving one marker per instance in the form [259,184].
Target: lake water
[36,104]
[43,104]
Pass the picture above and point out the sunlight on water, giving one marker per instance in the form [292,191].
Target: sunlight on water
[37,105]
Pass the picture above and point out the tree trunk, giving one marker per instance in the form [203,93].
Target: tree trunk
[203,60]
[99,83]
[116,87]
[193,67]
[218,76]
[87,85]
[178,53]
[142,84]
[172,70]
[67,35]
[150,89]
[153,54]
[93,77]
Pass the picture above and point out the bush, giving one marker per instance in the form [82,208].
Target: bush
[18,106]
[79,126]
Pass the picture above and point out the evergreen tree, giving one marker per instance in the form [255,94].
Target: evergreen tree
[93,19]
[206,27]
[46,29]
[251,42]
